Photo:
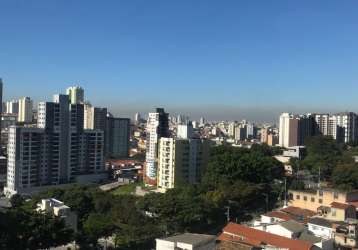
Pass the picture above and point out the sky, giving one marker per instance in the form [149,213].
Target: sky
[229,59]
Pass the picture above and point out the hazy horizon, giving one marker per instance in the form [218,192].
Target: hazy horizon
[238,60]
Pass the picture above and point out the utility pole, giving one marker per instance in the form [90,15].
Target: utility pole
[285,202]
[319,176]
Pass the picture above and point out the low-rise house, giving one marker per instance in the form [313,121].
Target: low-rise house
[314,198]
[299,214]
[275,216]
[294,230]
[289,229]
[346,233]
[59,209]
[320,227]
[337,211]
[187,241]
[235,236]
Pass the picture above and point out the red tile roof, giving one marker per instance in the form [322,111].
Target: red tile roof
[299,211]
[236,232]
[340,205]
[279,215]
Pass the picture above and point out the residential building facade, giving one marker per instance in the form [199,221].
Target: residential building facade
[181,161]
[157,127]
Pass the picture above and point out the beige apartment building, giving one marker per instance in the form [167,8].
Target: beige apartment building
[181,161]
[329,203]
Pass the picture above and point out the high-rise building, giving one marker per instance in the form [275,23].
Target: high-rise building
[1,108]
[181,161]
[202,121]
[240,132]
[306,128]
[12,107]
[250,131]
[117,137]
[94,117]
[25,110]
[264,135]
[288,130]
[76,94]
[157,127]
[58,151]
[185,131]
[342,127]
[137,118]
[26,168]
[231,130]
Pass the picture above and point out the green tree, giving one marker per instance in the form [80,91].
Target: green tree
[345,176]
[97,226]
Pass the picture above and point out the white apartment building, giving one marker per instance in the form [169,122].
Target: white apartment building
[58,151]
[25,110]
[94,117]
[288,130]
[181,161]
[184,131]
[12,107]
[231,130]
[343,127]
[25,166]
[157,127]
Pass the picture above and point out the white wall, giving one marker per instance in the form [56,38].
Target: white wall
[320,231]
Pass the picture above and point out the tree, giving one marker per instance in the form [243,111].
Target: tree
[97,226]
[21,229]
[323,154]
[345,176]
[16,201]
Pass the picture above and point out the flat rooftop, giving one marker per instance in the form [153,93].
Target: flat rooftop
[192,239]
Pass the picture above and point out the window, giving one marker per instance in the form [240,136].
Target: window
[297,197]
[305,198]
[312,199]
[320,201]
[335,195]
[320,192]
[334,212]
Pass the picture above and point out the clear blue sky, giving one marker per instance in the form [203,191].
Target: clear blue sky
[221,59]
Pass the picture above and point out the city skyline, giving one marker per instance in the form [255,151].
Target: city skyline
[224,62]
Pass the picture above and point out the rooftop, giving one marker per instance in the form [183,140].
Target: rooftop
[320,221]
[279,215]
[293,226]
[340,205]
[192,239]
[235,232]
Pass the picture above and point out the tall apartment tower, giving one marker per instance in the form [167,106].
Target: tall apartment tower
[94,117]
[157,127]
[12,107]
[342,127]
[185,131]
[26,168]
[288,131]
[25,110]
[58,151]
[117,137]
[1,89]
[181,161]
[76,94]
